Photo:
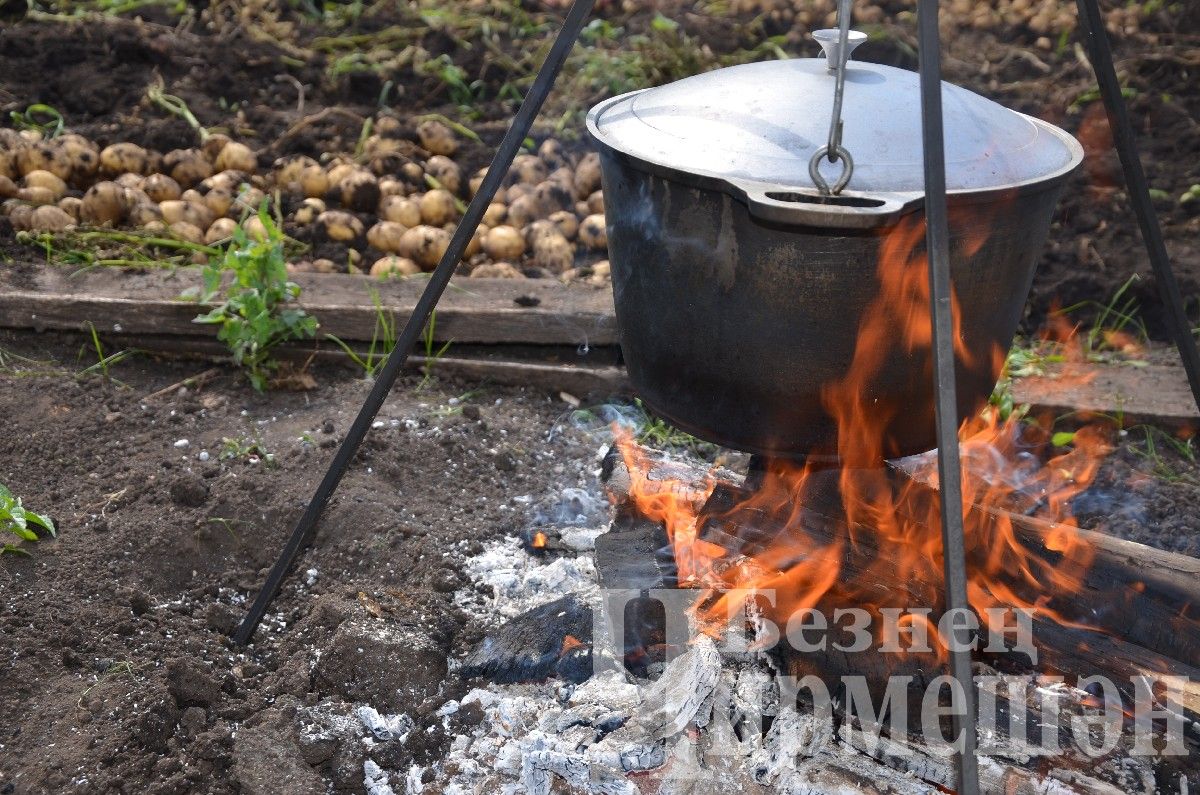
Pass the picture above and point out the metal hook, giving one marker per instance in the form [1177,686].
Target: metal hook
[835,155]
[833,148]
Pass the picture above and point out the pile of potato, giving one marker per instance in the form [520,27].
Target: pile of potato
[389,211]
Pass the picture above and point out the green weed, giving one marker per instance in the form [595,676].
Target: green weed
[383,340]
[257,309]
[655,432]
[17,520]
[246,448]
[1170,457]
[103,360]
[432,352]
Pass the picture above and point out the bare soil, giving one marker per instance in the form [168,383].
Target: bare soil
[119,674]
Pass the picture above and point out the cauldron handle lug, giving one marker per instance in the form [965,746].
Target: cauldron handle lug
[806,207]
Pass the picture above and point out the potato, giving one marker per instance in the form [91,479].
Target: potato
[189,195]
[301,266]
[145,215]
[380,147]
[247,199]
[515,192]
[161,188]
[188,167]
[495,214]
[552,197]
[8,164]
[49,218]
[385,236]
[587,175]
[221,229]
[289,169]
[593,233]
[338,171]
[595,202]
[314,182]
[525,211]
[496,270]
[413,174]
[437,207]
[339,226]
[446,172]
[45,157]
[425,245]
[390,186]
[552,153]
[219,200]
[567,223]
[83,156]
[539,229]
[191,212]
[477,181]
[70,205]
[437,137]
[553,252]
[401,210]
[236,156]
[37,195]
[601,273]
[324,265]
[528,169]
[388,125]
[308,211]
[124,158]
[19,215]
[360,191]
[581,209]
[47,180]
[130,180]
[255,229]
[186,231]
[565,177]
[503,242]
[8,188]
[475,244]
[213,145]
[394,266]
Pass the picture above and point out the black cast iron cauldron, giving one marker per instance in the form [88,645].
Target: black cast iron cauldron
[740,289]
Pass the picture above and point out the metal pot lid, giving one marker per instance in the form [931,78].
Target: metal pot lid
[760,123]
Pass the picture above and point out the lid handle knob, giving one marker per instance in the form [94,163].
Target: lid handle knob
[831,43]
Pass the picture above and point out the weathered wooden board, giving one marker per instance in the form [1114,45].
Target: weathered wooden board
[472,310]
[1157,393]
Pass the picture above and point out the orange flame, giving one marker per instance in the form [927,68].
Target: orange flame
[883,546]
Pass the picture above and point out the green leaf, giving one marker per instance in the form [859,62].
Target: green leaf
[1063,438]
[41,521]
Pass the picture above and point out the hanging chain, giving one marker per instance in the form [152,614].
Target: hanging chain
[833,149]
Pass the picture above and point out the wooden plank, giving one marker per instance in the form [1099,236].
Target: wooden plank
[1156,393]
[472,310]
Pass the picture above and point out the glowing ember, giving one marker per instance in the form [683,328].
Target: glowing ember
[539,540]
[891,528]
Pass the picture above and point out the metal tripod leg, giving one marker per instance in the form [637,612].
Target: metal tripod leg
[937,237]
[517,132]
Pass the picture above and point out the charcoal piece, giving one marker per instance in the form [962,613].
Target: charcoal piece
[552,640]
